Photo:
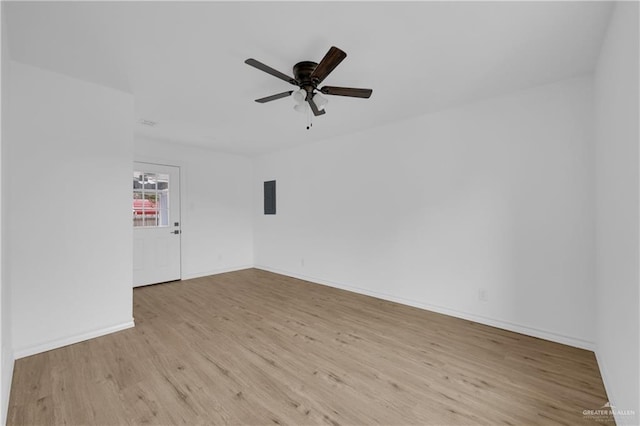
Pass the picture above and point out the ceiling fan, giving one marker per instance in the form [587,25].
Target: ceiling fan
[307,76]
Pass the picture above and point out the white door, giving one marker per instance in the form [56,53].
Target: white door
[156,224]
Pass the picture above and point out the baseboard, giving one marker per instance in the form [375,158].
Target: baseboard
[621,419]
[7,377]
[55,344]
[215,272]
[518,328]
[606,381]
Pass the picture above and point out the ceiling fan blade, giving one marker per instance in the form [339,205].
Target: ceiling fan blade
[269,70]
[274,97]
[346,91]
[314,108]
[331,60]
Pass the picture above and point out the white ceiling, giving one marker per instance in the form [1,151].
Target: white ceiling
[183,62]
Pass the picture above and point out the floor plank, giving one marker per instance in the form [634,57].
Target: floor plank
[256,348]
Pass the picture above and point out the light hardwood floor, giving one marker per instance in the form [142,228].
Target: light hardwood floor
[256,348]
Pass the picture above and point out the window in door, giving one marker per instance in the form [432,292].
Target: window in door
[150,199]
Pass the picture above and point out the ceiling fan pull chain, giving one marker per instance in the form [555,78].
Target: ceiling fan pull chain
[309,124]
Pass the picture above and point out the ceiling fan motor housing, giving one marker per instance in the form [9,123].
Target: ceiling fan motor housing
[302,73]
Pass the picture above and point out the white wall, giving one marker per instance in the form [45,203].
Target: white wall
[496,195]
[69,153]
[617,136]
[6,350]
[216,203]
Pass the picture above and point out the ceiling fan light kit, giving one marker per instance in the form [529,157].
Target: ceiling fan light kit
[300,96]
[320,100]
[307,76]
[301,107]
